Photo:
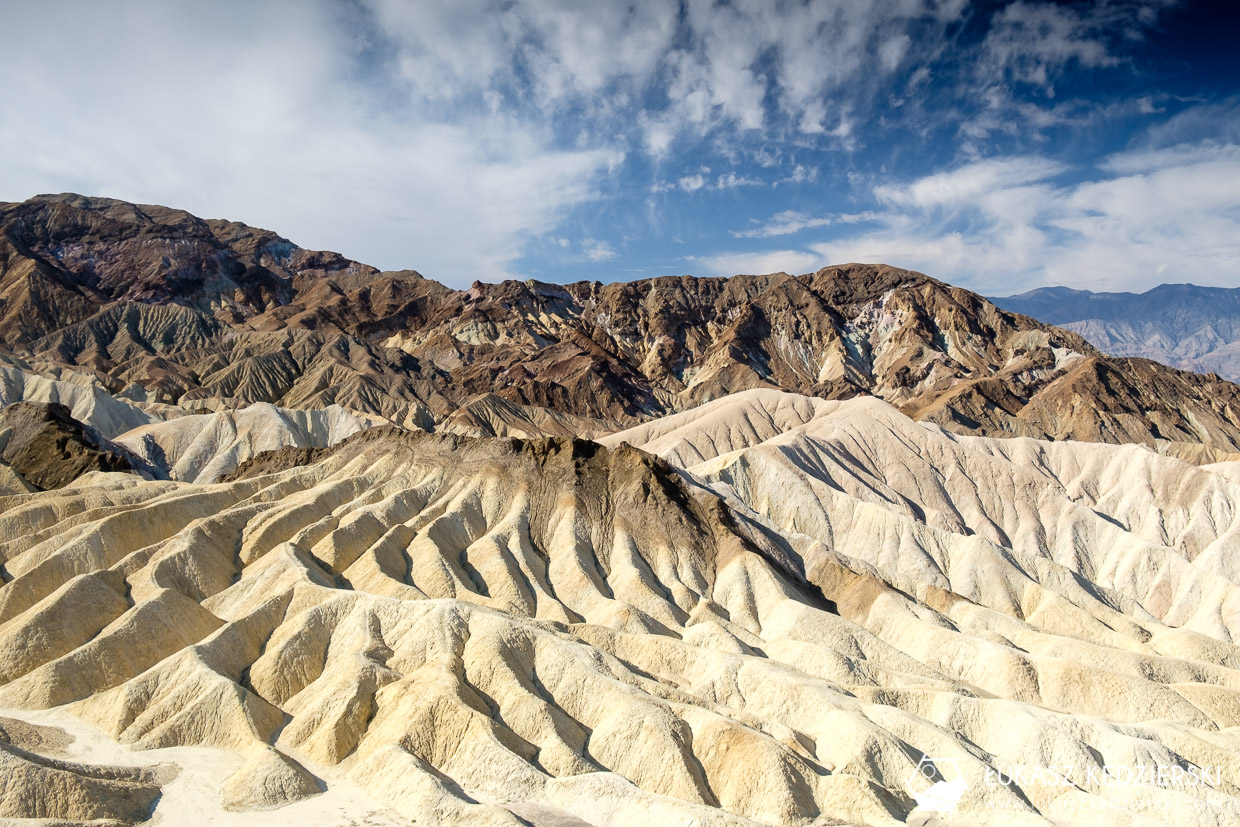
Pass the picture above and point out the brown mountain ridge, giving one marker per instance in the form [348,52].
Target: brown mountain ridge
[156,304]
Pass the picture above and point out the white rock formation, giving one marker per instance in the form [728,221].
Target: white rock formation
[204,447]
[830,614]
[88,402]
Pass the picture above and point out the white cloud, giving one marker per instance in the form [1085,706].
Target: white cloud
[699,181]
[415,133]
[692,183]
[1031,43]
[799,175]
[599,251]
[969,184]
[1179,155]
[1037,44]
[719,65]
[253,114]
[761,263]
[732,181]
[812,118]
[447,136]
[1169,214]
[567,48]
[892,51]
[785,223]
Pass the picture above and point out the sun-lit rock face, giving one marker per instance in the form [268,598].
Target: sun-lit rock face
[770,609]
[365,566]
[205,447]
[163,308]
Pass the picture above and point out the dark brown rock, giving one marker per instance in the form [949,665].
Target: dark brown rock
[50,448]
[220,314]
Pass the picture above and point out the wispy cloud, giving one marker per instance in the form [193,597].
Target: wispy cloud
[702,180]
[1150,216]
[784,223]
[970,184]
[731,181]
[792,262]
[790,222]
[461,138]
[1035,45]
[1032,43]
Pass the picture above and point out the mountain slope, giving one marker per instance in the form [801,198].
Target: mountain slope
[172,309]
[1105,512]
[1182,325]
[86,400]
[823,598]
[48,448]
[205,447]
[66,255]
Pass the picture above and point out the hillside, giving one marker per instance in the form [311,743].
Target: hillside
[157,306]
[771,609]
[288,540]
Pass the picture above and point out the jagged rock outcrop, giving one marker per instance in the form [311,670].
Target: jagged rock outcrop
[169,309]
[48,448]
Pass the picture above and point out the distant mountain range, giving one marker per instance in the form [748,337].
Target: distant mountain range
[1182,325]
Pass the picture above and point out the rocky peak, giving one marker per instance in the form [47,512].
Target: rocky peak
[300,328]
[49,448]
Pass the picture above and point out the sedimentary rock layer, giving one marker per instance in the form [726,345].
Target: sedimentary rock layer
[165,308]
[771,609]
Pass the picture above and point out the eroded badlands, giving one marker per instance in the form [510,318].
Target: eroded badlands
[770,609]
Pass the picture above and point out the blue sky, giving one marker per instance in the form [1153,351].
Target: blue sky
[998,146]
